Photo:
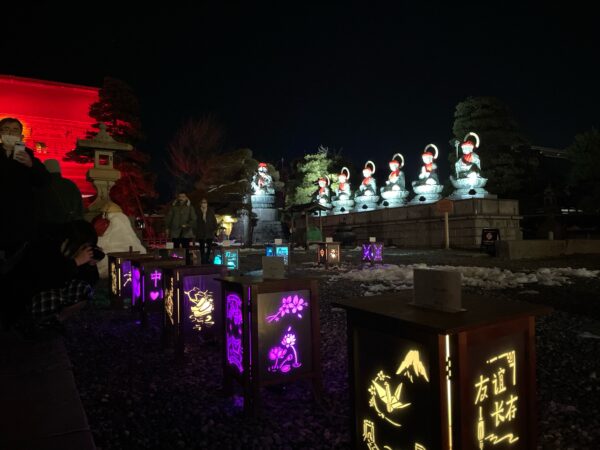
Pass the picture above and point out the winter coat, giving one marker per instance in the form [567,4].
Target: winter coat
[17,185]
[206,229]
[178,216]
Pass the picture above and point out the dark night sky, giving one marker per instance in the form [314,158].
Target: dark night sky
[371,80]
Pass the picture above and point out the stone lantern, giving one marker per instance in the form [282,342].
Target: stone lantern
[103,175]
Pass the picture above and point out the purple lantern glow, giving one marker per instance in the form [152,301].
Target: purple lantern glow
[136,284]
[285,355]
[366,252]
[377,251]
[289,305]
[233,331]
[156,277]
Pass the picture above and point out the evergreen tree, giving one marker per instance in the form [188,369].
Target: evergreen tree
[118,108]
[308,171]
[505,160]
[584,155]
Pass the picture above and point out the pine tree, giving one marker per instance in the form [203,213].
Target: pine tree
[308,171]
[504,159]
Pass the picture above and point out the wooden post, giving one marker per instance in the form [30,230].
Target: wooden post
[447,231]
[306,234]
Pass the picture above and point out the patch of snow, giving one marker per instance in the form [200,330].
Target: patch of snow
[389,277]
[588,335]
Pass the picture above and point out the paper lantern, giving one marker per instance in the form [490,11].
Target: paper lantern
[119,276]
[228,257]
[372,252]
[328,254]
[148,283]
[271,333]
[192,304]
[282,250]
[426,379]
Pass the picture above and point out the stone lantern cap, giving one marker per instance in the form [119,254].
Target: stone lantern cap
[103,141]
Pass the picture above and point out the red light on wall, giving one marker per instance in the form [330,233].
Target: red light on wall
[54,116]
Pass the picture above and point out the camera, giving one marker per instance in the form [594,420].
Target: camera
[98,255]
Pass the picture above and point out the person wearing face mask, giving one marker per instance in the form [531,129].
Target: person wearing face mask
[207,226]
[20,174]
[181,221]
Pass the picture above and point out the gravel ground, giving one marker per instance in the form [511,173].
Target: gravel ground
[137,397]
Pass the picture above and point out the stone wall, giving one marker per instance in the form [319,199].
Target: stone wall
[422,226]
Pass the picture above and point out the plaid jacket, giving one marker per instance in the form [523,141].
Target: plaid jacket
[48,303]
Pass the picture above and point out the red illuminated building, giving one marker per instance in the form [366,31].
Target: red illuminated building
[54,115]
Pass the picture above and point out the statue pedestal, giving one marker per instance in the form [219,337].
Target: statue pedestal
[465,188]
[426,193]
[365,202]
[343,206]
[393,199]
[268,226]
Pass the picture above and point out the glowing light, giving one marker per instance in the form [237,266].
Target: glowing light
[156,276]
[113,279]
[202,307]
[233,331]
[136,285]
[381,390]
[154,295]
[289,305]
[285,356]
[500,403]
[412,361]
[169,300]
[449,390]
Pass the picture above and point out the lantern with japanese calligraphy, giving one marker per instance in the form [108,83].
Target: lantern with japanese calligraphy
[271,333]
[148,283]
[426,379]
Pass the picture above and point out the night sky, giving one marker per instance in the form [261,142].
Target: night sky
[283,79]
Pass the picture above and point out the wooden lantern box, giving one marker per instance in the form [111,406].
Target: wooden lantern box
[372,252]
[119,276]
[271,334]
[148,283]
[425,379]
[282,250]
[192,303]
[328,254]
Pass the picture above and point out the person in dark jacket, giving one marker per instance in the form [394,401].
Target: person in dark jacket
[60,201]
[207,226]
[181,221]
[20,174]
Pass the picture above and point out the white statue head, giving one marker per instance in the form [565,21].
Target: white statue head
[322,182]
[344,175]
[467,147]
[262,167]
[394,165]
[427,157]
[369,169]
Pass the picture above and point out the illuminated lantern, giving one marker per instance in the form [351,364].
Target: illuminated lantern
[282,250]
[271,333]
[426,379]
[192,303]
[229,257]
[147,279]
[119,275]
[372,252]
[328,254]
